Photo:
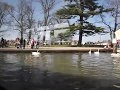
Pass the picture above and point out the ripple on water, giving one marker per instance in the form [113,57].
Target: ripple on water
[60,69]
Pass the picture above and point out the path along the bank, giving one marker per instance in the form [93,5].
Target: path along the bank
[57,49]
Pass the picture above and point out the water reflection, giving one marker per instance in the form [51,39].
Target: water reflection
[116,70]
[97,66]
[56,71]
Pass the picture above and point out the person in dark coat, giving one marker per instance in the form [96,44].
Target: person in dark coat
[24,43]
[2,42]
[21,43]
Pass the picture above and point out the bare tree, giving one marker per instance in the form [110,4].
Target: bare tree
[108,25]
[23,16]
[115,4]
[47,6]
[4,15]
[30,18]
[30,14]
[114,15]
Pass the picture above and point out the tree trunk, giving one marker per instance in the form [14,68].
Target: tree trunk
[29,35]
[21,33]
[111,36]
[81,22]
[80,31]
[80,37]
[61,42]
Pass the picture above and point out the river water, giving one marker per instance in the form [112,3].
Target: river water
[59,71]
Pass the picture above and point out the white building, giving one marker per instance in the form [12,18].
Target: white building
[44,31]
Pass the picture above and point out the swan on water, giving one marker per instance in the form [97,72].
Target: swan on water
[89,51]
[97,52]
[115,54]
[36,53]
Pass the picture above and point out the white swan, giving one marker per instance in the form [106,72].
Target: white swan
[97,52]
[89,51]
[115,54]
[36,53]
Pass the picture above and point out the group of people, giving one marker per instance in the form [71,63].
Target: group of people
[21,43]
[34,44]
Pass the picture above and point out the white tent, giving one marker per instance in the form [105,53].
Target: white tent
[117,34]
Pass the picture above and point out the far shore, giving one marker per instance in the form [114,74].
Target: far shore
[56,49]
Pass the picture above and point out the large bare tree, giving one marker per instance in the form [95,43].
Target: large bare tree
[30,22]
[23,16]
[114,17]
[4,15]
[47,6]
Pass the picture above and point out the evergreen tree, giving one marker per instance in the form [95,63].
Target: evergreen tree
[61,36]
[85,9]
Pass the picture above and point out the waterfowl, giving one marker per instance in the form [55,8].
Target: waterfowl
[97,52]
[89,51]
[115,54]
[36,53]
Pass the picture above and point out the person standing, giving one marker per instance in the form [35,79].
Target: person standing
[17,43]
[2,42]
[24,43]
[21,43]
[37,45]
[32,43]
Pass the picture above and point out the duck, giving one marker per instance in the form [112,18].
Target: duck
[36,53]
[97,52]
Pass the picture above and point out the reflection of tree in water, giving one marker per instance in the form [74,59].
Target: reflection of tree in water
[116,69]
[25,58]
[84,70]
[77,58]
[27,69]
[49,72]
[2,57]
[95,66]
[2,62]
[79,63]
[47,63]
[80,59]
[9,69]
[34,70]
[63,63]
